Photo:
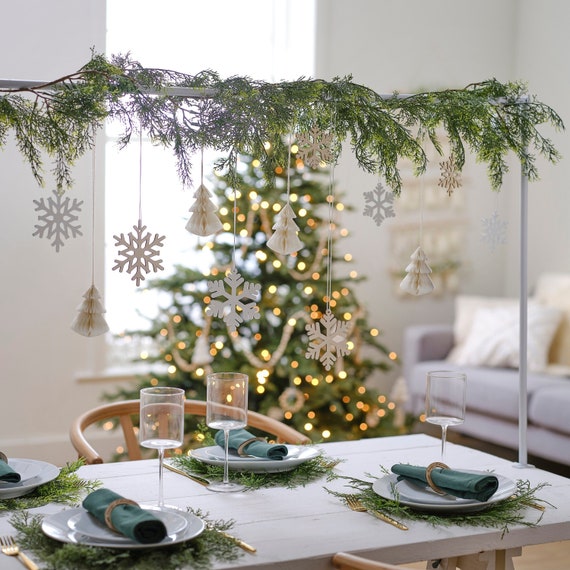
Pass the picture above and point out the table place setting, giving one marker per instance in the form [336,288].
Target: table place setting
[442,496]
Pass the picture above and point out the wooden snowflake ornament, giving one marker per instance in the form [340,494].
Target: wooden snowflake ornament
[417,281]
[450,177]
[329,344]
[235,309]
[203,221]
[315,147]
[139,251]
[90,320]
[285,239]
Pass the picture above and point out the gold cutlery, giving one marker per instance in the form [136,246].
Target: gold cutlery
[196,478]
[203,481]
[356,505]
[10,548]
[529,503]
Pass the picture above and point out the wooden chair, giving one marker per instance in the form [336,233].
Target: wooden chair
[123,411]
[345,561]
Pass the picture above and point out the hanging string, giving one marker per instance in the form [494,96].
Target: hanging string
[235,231]
[93,170]
[140,171]
[330,238]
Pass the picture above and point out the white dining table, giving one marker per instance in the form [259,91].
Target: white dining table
[302,528]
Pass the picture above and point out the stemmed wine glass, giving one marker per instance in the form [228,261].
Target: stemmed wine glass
[226,409]
[161,424]
[445,401]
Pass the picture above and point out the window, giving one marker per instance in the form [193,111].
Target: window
[271,40]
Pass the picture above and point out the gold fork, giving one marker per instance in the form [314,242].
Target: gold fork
[356,505]
[10,548]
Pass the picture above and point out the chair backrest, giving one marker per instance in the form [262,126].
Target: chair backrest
[124,412]
[345,561]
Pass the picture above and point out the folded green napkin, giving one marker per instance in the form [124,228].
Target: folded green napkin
[256,448]
[457,483]
[130,520]
[7,474]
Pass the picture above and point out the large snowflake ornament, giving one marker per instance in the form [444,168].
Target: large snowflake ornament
[450,177]
[234,309]
[139,251]
[379,204]
[494,231]
[315,147]
[57,222]
[325,343]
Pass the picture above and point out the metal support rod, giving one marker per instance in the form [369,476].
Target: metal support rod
[523,323]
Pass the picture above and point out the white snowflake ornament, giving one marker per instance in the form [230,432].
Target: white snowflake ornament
[417,281]
[139,251]
[379,204]
[90,320]
[329,344]
[494,231]
[203,221]
[285,239]
[315,147]
[235,309]
[57,222]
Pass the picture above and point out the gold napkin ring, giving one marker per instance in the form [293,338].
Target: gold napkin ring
[241,449]
[110,508]
[3,457]
[429,469]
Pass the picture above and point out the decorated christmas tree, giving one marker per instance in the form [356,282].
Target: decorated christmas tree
[325,396]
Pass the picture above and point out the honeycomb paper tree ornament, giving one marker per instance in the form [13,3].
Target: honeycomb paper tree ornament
[204,220]
[417,281]
[285,239]
[90,320]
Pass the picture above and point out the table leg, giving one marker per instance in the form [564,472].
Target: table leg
[490,560]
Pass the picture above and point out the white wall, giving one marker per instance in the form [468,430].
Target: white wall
[408,46]
[386,44]
[40,357]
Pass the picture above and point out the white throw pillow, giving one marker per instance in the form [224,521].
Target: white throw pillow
[494,337]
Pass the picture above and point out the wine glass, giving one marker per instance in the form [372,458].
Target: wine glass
[445,401]
[161,424]
[226,409]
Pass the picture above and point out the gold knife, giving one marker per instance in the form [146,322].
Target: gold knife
[247,547]
[195,478]
[389,520]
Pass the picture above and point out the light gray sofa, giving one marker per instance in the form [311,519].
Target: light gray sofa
[492,396]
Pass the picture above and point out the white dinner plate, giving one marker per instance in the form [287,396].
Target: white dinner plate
[47,472]
[58,527]
[27,468]
[425,499]
[214,455]
[88,525]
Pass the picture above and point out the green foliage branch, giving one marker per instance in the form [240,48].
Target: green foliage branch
[238,115]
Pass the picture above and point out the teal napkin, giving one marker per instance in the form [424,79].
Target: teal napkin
[256,448]
[130,520]
[7,474]
[457,483]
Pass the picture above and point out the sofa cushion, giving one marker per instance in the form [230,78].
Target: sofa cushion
[553,289]
[549,407]
[494,337]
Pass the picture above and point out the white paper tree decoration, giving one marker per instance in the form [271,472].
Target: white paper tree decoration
[285,239]
[90,320]
[329,344]
[417,281]
[203,221]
